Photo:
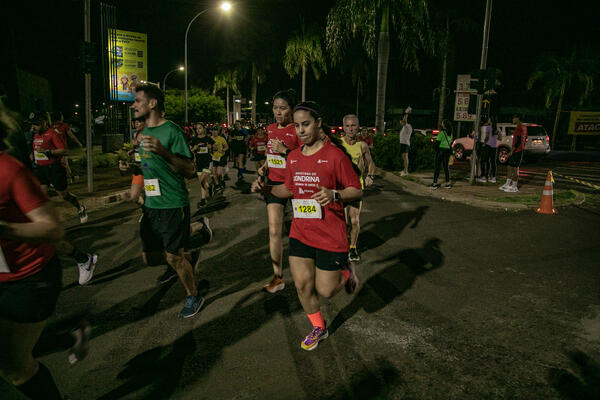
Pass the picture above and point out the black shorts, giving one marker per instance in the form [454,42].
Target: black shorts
[325,260]
[53,174]
[404,148]
[515,159]
[270,199]
[259,157]
[237,150]
[222,162]
[202,165]
[34,298]
[165,229]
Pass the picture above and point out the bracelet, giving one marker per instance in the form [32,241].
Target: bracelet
[371,176]
[48,153]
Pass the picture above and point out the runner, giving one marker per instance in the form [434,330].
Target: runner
[48,149]
[135,165]
[219,157]
[259,147]
[30,272]
[319,178]
[166,162]
[361,155]
[201,145]
[65,130]
[281,140]
[239,147]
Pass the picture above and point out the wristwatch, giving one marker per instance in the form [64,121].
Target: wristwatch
[371,176]
[48,153]
[336,195]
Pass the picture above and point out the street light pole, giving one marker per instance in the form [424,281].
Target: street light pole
[164,86]
[482,66]
[89,145]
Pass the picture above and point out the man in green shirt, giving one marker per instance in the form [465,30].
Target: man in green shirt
[166,162]
[443,142]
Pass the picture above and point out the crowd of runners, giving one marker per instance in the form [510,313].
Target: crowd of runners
[300,163]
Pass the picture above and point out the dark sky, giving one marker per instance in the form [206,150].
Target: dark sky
[46,37]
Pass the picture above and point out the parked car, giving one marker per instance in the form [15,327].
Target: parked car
[538,142]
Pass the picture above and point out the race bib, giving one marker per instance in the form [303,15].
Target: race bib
[261,148]
[307,208]
[238,138]
[40,156]
[136,157]
[202,150]
[275,161]
[4,269]
[151,187]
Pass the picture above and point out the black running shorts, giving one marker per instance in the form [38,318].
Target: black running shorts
[404,148]
[222,162]
[32,299]
[53,174]
[165,229]
[325,260]
[515,159]
[270,199]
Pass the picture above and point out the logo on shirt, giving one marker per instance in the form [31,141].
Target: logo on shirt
[289,134]
[293,161]
[322,161]
[300,191]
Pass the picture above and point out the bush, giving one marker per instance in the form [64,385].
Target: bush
[103,160]
[386,152]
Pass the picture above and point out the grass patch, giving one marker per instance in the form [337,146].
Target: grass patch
[560,198]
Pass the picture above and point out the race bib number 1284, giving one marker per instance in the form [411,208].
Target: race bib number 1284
[307,208]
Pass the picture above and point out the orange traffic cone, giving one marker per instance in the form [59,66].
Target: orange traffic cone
[547,202]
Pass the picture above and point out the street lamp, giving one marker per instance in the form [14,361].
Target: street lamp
[226,7]
[164,87]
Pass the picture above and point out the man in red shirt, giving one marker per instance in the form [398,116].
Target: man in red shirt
[65,131]
[519,138]
[48,150]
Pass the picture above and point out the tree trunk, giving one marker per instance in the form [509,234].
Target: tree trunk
[558,110]
[357,94]
[444,77]
[383,57]
[254,90]
[303,83]
[228,113]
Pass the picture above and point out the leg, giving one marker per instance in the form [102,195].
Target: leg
[70,198]
[303,272]
[135,194]
[183,268]
[445,161]
[437,162]
[405,159]
[275,218]
[17,364]
[354,214]
[493,162]
[329,283]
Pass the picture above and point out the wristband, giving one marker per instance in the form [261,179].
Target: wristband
[371,176]
[336,195]
[48,153]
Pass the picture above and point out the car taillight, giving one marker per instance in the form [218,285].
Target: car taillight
[431,140]
[435,131]
[333,131]
[547,138]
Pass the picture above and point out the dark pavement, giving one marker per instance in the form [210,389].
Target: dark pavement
[455,302]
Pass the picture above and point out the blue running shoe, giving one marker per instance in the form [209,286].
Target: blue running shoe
[192,306]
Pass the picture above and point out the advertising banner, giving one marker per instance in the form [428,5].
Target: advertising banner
[584,123]
[461,103]
[128,56]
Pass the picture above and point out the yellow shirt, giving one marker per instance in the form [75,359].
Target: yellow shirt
[355,151]
[218,148]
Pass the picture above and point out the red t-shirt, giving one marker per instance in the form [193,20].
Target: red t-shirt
[63,129]
[49,140]
[275,161]
[259,144]
[20,193]
[331,168]
[519,132]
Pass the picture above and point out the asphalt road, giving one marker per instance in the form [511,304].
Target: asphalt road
[455,302]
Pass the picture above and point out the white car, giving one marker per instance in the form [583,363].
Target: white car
[538,142]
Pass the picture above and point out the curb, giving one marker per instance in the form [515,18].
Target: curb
[92,203]
[420,190]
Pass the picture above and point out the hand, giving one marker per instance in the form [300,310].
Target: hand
[368,181]
[123,166]
[39,149]
[152,144]
[278,146]
[324,196]
[258,186]
[262,170]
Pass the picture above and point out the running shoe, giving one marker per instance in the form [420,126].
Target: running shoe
[353,254]
[207,233]
[166,276]
[403,173]
[483,179]
[503,187]
[80,348]
[511,189]
[83,216]
[86,269]
[434,186]
[492,180]
[352,282]
[312,340]
[192,305]
[275,285]
[447,185]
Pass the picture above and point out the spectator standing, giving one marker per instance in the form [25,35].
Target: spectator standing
[480,140]
[443,143]
[489,154]
[519,138]
[405,135]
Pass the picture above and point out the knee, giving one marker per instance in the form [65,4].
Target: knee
[275,231]
[303,288]
[326,292]
[174,260]
[355,221]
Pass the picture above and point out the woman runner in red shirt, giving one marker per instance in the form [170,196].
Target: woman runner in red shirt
[319,178]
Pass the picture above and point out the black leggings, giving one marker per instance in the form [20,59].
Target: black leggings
[488,161]
[442,157]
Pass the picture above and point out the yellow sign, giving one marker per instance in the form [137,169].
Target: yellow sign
[584,123]
[128,56]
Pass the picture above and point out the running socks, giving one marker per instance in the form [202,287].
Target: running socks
[72,199]
[40,386]
[317,319]
[346,274]
[240,172]
[79,256]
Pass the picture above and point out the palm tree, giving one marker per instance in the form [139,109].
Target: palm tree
[369,19]
[558,74]
[304,50]
[259,74]
[229,79]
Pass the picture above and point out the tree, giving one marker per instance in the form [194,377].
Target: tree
[259,74]
[371,21]
[558,74]
[359,66]
[229,79]
[202,106]
[304,50]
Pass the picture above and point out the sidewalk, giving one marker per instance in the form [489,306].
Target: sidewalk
[484,195]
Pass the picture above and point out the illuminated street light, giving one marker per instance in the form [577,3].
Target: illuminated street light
[266,103]
[225,7]
[76,105]
[180,68]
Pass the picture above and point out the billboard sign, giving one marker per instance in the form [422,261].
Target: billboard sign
[584,123]
[461,104]
[128,58]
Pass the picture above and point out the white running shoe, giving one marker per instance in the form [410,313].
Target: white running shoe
[492,180]
[86,269]
[83,216]
[482,179]
[511,189]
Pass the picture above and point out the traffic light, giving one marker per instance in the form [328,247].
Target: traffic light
[478,81]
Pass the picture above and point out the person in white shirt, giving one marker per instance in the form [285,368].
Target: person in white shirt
[405,135]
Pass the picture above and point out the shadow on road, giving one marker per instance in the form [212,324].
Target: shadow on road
[385,286]
[370,383]
[582,382]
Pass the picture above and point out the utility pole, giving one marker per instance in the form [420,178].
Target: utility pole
[482,67]
[89,145]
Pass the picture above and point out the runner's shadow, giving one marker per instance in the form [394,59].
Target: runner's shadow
[393,281]
[581,382]
[370,383]
[376,233]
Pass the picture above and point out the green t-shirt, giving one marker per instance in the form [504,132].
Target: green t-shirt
[164,187]
[444,139]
